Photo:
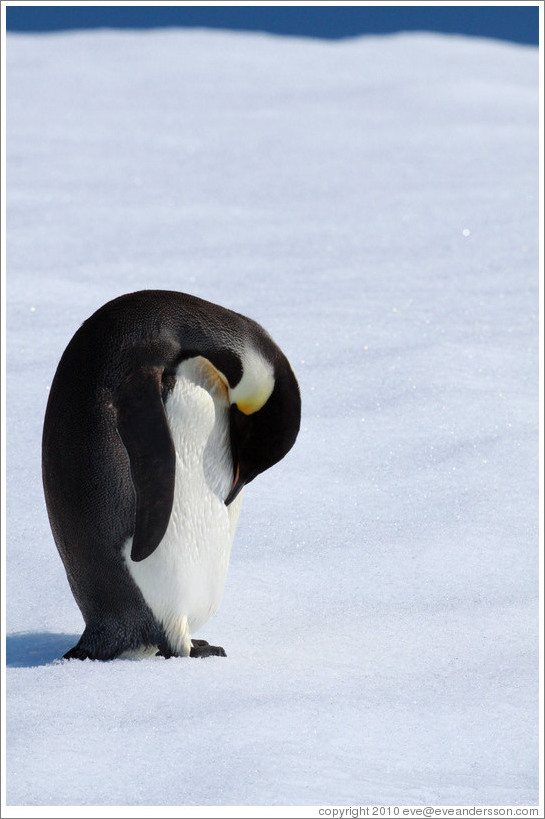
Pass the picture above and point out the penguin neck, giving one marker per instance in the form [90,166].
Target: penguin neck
[247,375]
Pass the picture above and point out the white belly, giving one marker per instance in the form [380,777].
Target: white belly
[183,580]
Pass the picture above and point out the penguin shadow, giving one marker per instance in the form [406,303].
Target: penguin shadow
[33,649]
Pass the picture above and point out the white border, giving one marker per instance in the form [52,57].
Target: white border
[3,389]
[541,402]
[248,811]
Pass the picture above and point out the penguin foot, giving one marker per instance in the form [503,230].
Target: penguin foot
[164,651]
[200,648]
[77,653]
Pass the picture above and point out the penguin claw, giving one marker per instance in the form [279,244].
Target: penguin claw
[164,651]
[201,648]
[77,653]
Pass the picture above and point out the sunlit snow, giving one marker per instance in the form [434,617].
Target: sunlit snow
[374,204]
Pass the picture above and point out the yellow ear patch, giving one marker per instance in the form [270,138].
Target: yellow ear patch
[256,385]
[246,407]
[252,404]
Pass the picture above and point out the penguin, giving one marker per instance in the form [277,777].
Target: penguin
[162,409]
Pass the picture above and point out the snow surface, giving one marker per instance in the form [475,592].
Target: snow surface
[374,204]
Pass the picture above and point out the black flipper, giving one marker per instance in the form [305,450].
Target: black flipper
[143,427]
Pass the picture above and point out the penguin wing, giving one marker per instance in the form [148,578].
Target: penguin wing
[143,427]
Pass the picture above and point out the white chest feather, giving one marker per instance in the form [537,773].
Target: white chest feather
[183,580]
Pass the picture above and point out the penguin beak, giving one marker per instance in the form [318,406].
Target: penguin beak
[237,487]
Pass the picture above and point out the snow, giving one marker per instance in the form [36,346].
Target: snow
[374,204]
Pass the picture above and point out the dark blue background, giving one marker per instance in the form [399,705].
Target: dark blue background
[519,24]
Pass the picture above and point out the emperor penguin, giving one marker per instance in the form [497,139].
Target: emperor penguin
[163,407]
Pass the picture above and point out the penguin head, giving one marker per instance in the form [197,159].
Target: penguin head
[265,416]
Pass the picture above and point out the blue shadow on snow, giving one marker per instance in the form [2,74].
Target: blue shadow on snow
[34,648]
